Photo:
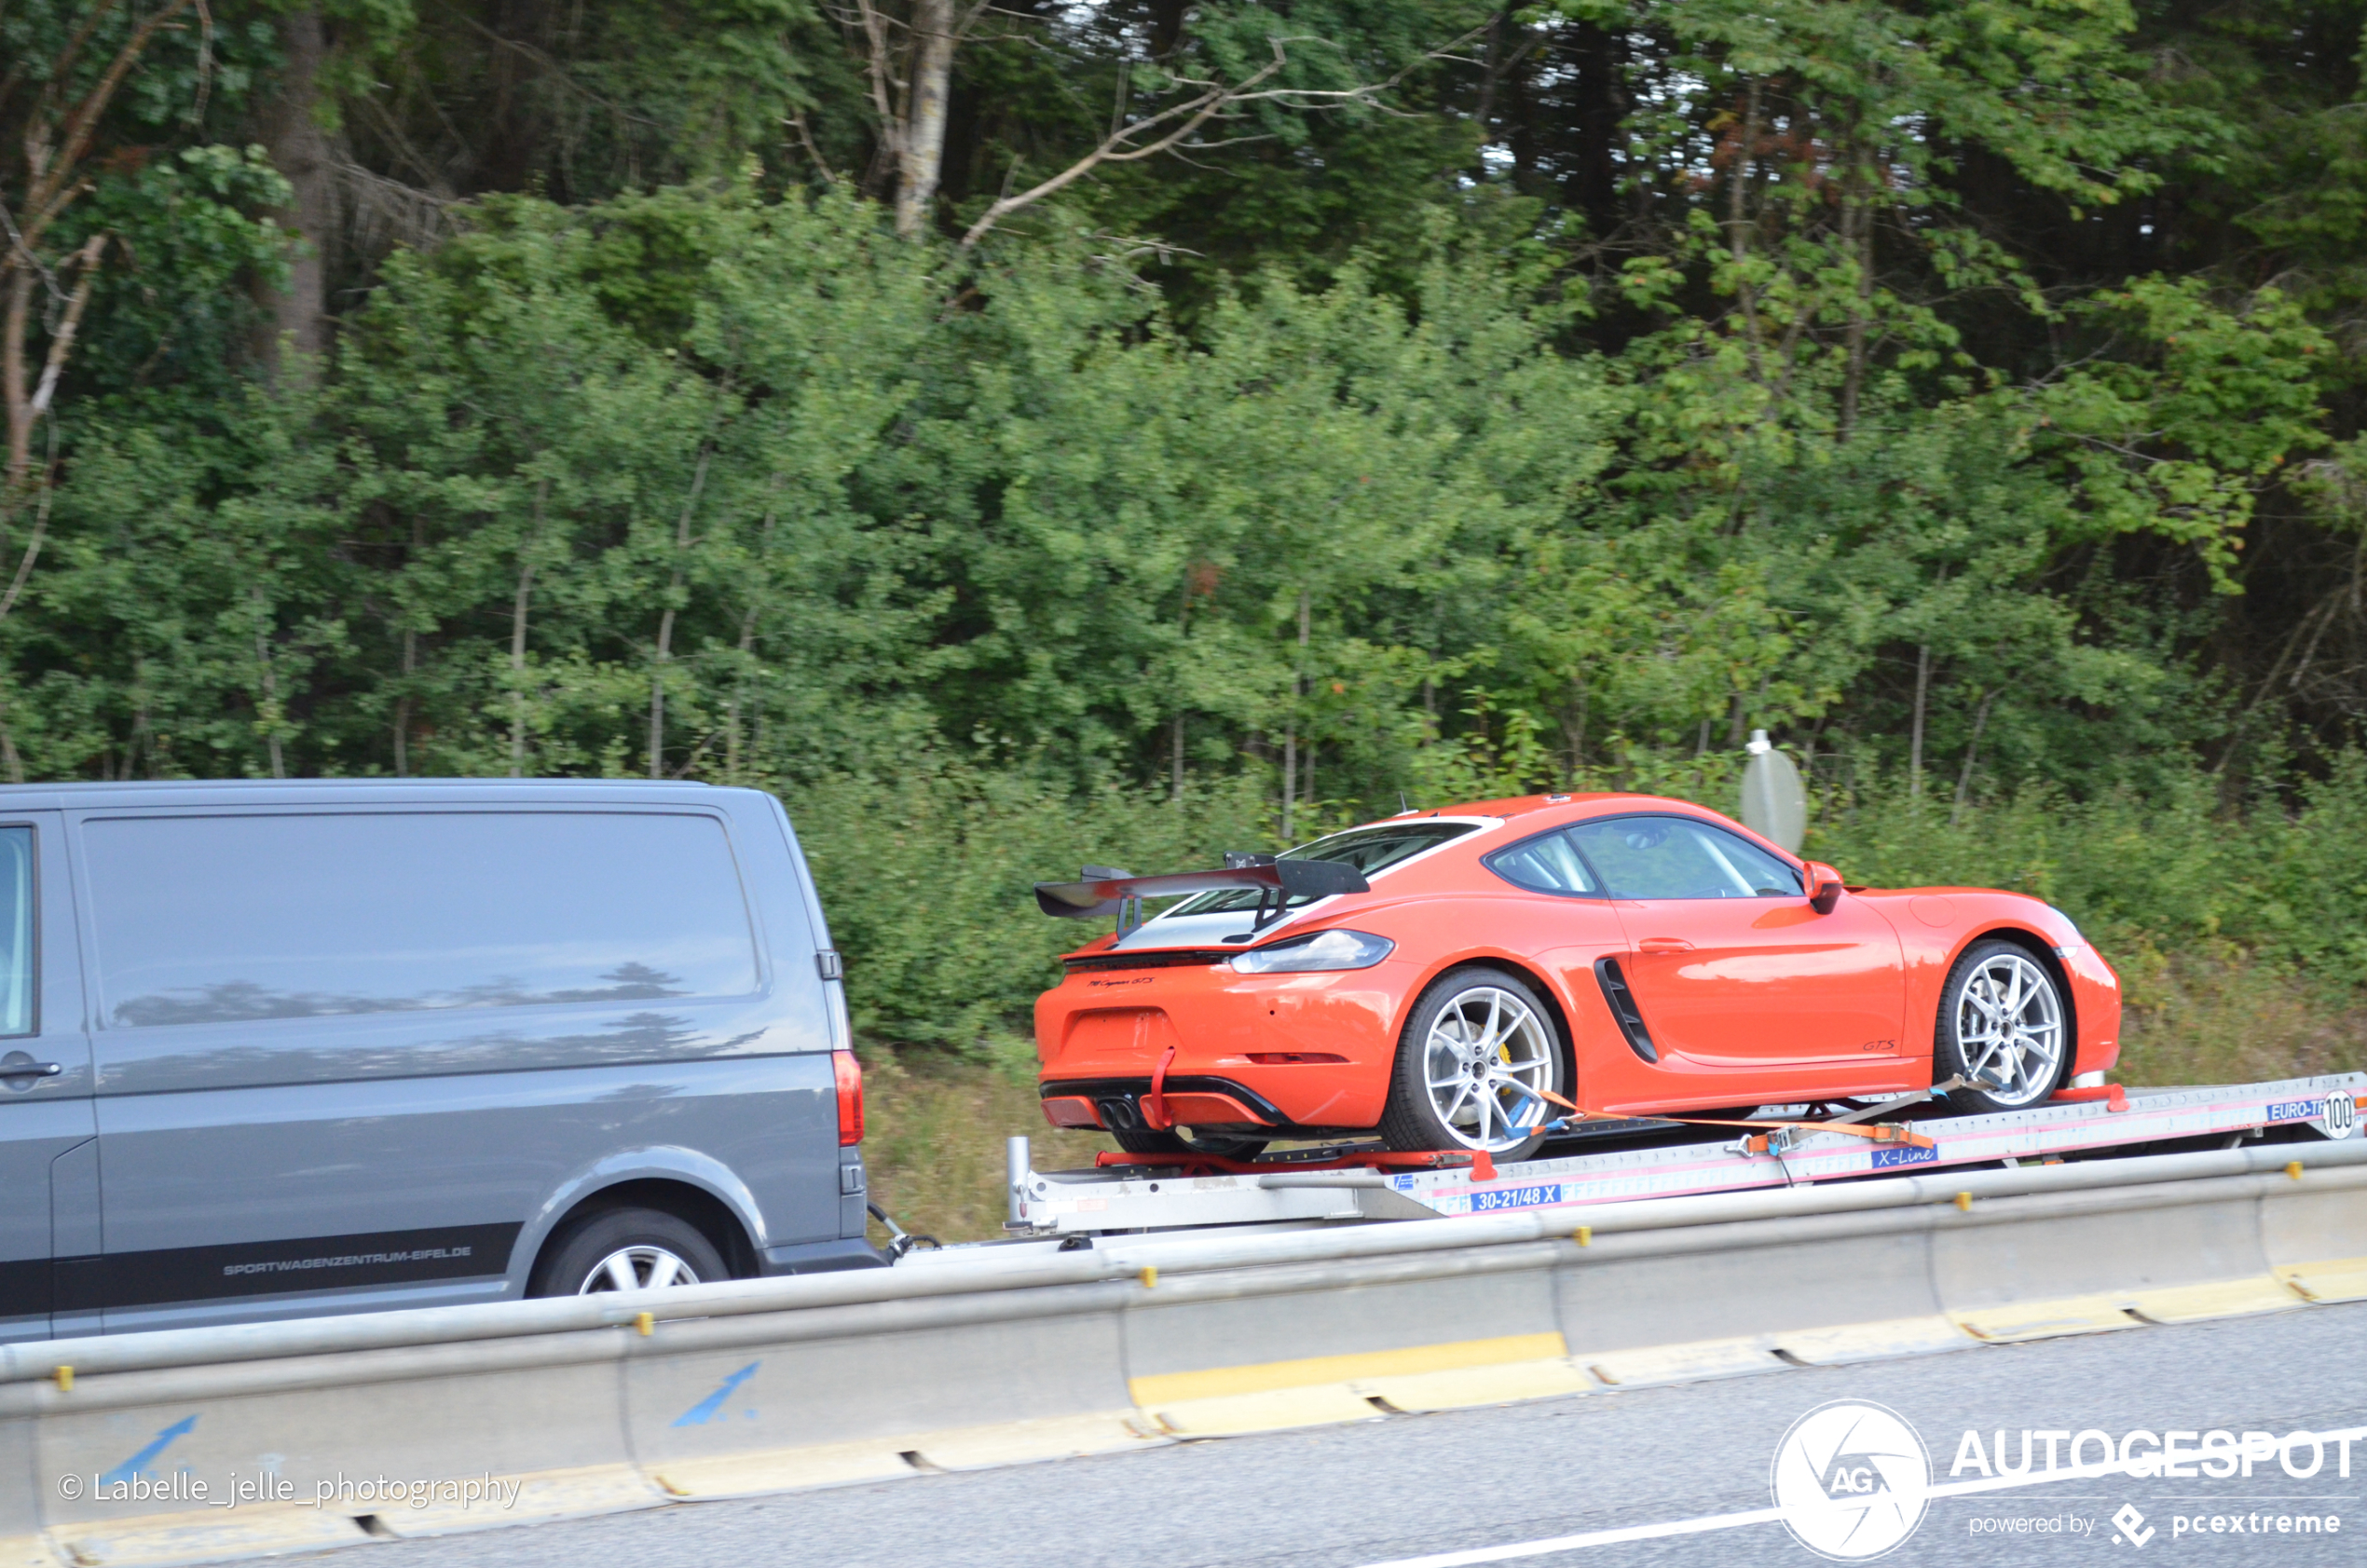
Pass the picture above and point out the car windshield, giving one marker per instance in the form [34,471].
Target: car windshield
[1370,850]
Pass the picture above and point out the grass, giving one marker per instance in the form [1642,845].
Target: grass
[937,1122]
[2215,1021]
[933,1139]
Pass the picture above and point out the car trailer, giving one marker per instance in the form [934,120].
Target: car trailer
[1593,1160]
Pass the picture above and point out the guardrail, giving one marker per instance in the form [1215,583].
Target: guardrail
[316,1432]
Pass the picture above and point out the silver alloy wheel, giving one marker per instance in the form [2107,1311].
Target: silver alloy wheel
[1486,1057]
[642,1267]
[2009,1028]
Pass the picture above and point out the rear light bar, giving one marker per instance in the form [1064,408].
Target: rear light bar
[848,1072]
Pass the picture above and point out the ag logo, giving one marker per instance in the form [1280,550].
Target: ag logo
[1852,1478]
[2338,1116]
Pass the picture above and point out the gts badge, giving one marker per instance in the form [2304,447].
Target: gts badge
[1138,980]
[1879,1047]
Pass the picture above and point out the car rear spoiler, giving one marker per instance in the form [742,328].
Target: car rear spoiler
[1106,891]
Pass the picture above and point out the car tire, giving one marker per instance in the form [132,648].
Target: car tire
[2003,1027]
[1478,1045]
[650,1246]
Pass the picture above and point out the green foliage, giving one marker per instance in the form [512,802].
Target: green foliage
[926,873]
[2152,879]
[1966,392]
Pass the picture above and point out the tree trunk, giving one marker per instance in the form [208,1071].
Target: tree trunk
[748,652]
[1857,228]
[269,706]
[922,153]
[518,609]
[1915,742]
[666,622]
[13,390]
[1738,229]
[1972,750]
[1290,732]
[410,662]
[299,150]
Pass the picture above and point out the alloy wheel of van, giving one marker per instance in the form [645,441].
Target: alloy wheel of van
[2002,1029]
[627,1249]
[638,1268]
[1474,1067]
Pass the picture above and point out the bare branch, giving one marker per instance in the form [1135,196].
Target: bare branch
[829,175]
[40,532]
[1209,98]
[41,202]
[62,340]
[528,51]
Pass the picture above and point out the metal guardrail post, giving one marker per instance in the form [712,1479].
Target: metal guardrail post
[1017,1164]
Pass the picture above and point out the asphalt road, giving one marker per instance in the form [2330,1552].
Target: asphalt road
[1403,1487]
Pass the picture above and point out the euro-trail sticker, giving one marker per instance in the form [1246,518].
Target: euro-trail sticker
[1517,1197]
[2296,1110]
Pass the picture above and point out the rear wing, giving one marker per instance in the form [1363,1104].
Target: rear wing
[1105,891]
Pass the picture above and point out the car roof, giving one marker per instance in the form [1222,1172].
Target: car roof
[1521,805]
[248,792]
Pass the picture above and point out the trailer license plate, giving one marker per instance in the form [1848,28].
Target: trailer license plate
[1517,1197]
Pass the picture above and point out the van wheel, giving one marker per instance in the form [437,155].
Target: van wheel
[628,1249]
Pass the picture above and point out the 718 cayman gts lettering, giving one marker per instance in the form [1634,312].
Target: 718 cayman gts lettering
[1446,976]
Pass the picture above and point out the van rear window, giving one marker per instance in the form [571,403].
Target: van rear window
[223,919]
[16,931]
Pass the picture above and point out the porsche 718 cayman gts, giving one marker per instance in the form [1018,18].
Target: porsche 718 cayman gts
[1446,976]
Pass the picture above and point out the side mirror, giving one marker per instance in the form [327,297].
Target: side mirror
[1824,888]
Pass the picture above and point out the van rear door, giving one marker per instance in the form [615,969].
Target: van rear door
[49,1157]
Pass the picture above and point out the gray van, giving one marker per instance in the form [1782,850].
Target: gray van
[275,1049]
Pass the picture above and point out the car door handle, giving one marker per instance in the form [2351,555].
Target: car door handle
[25,1067]
[1663,945]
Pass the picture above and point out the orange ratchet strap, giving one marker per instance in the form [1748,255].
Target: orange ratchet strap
[1882,1132]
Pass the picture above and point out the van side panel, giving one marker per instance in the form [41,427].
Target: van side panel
[356,1058]
[227,1204]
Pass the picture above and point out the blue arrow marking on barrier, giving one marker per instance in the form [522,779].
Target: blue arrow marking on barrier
[164,1439]
[703,1411]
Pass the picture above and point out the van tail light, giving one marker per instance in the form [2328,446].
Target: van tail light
[849,1074]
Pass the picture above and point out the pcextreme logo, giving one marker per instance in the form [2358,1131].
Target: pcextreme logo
[1852,1479]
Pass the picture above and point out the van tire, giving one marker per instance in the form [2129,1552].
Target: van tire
[650,1241]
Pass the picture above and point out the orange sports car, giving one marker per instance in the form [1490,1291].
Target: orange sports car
[1449,976]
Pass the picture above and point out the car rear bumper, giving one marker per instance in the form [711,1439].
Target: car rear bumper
[1198,1100]
[1311,1050]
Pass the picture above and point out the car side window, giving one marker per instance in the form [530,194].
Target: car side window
[1675,857]
[16,931]
[1547,863]
[212,919]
